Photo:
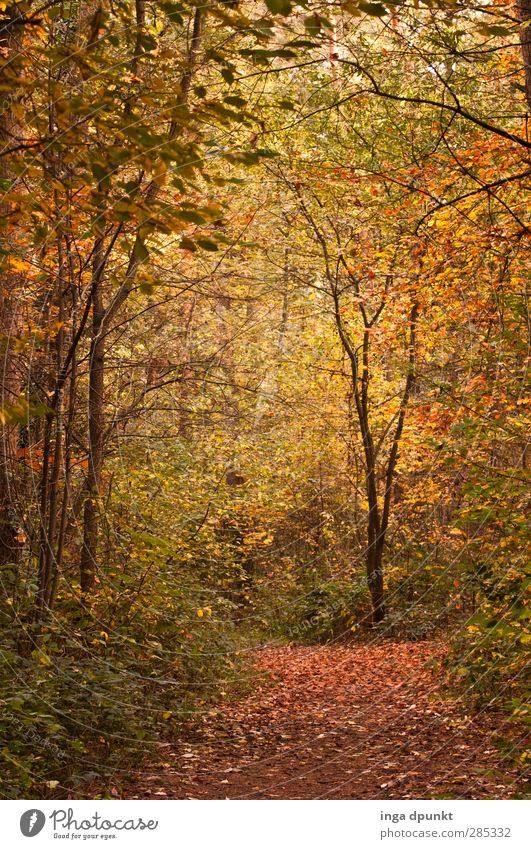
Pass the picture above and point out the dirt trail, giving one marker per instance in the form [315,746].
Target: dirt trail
[337,722]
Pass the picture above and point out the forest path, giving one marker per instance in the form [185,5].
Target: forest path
[337,722]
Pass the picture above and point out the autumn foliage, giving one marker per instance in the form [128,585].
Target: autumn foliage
[264,326]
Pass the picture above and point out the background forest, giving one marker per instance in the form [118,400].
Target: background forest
[264,333]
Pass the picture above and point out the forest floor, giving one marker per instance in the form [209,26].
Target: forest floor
[338,722]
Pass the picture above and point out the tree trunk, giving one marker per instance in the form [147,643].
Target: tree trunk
[11,288]
[96,428]
[379,508]
[375,578]
[9,390]
[101,324]
[524,13]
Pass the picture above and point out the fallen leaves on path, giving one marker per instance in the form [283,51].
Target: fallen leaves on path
[337,722]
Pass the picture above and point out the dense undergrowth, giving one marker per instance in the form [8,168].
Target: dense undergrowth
[83,701]
[87,692]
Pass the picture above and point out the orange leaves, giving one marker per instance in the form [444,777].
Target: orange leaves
[322,725]
[32,457]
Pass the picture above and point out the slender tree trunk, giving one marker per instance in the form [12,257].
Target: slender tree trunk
[375,536]
[11,287]
[51,564]
[10,388]
[375,578]
[96,424]
[65,501]
[378,507]
[524,13]
[101,324]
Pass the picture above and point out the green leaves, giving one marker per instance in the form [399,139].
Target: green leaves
[20,412]
[140,250]
[235,100]
[101,172]
[187,244]
[191,215]
[494,29]
[174,11]
[373,9]
[228,75]
[262,56]
[357,7]
[313,24]
[279,7]
[191,245]
[207,245]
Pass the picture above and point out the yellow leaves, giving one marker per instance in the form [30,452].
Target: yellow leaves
[41,657]
[17,264]
[15,413]
[262,538]
[202,610]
